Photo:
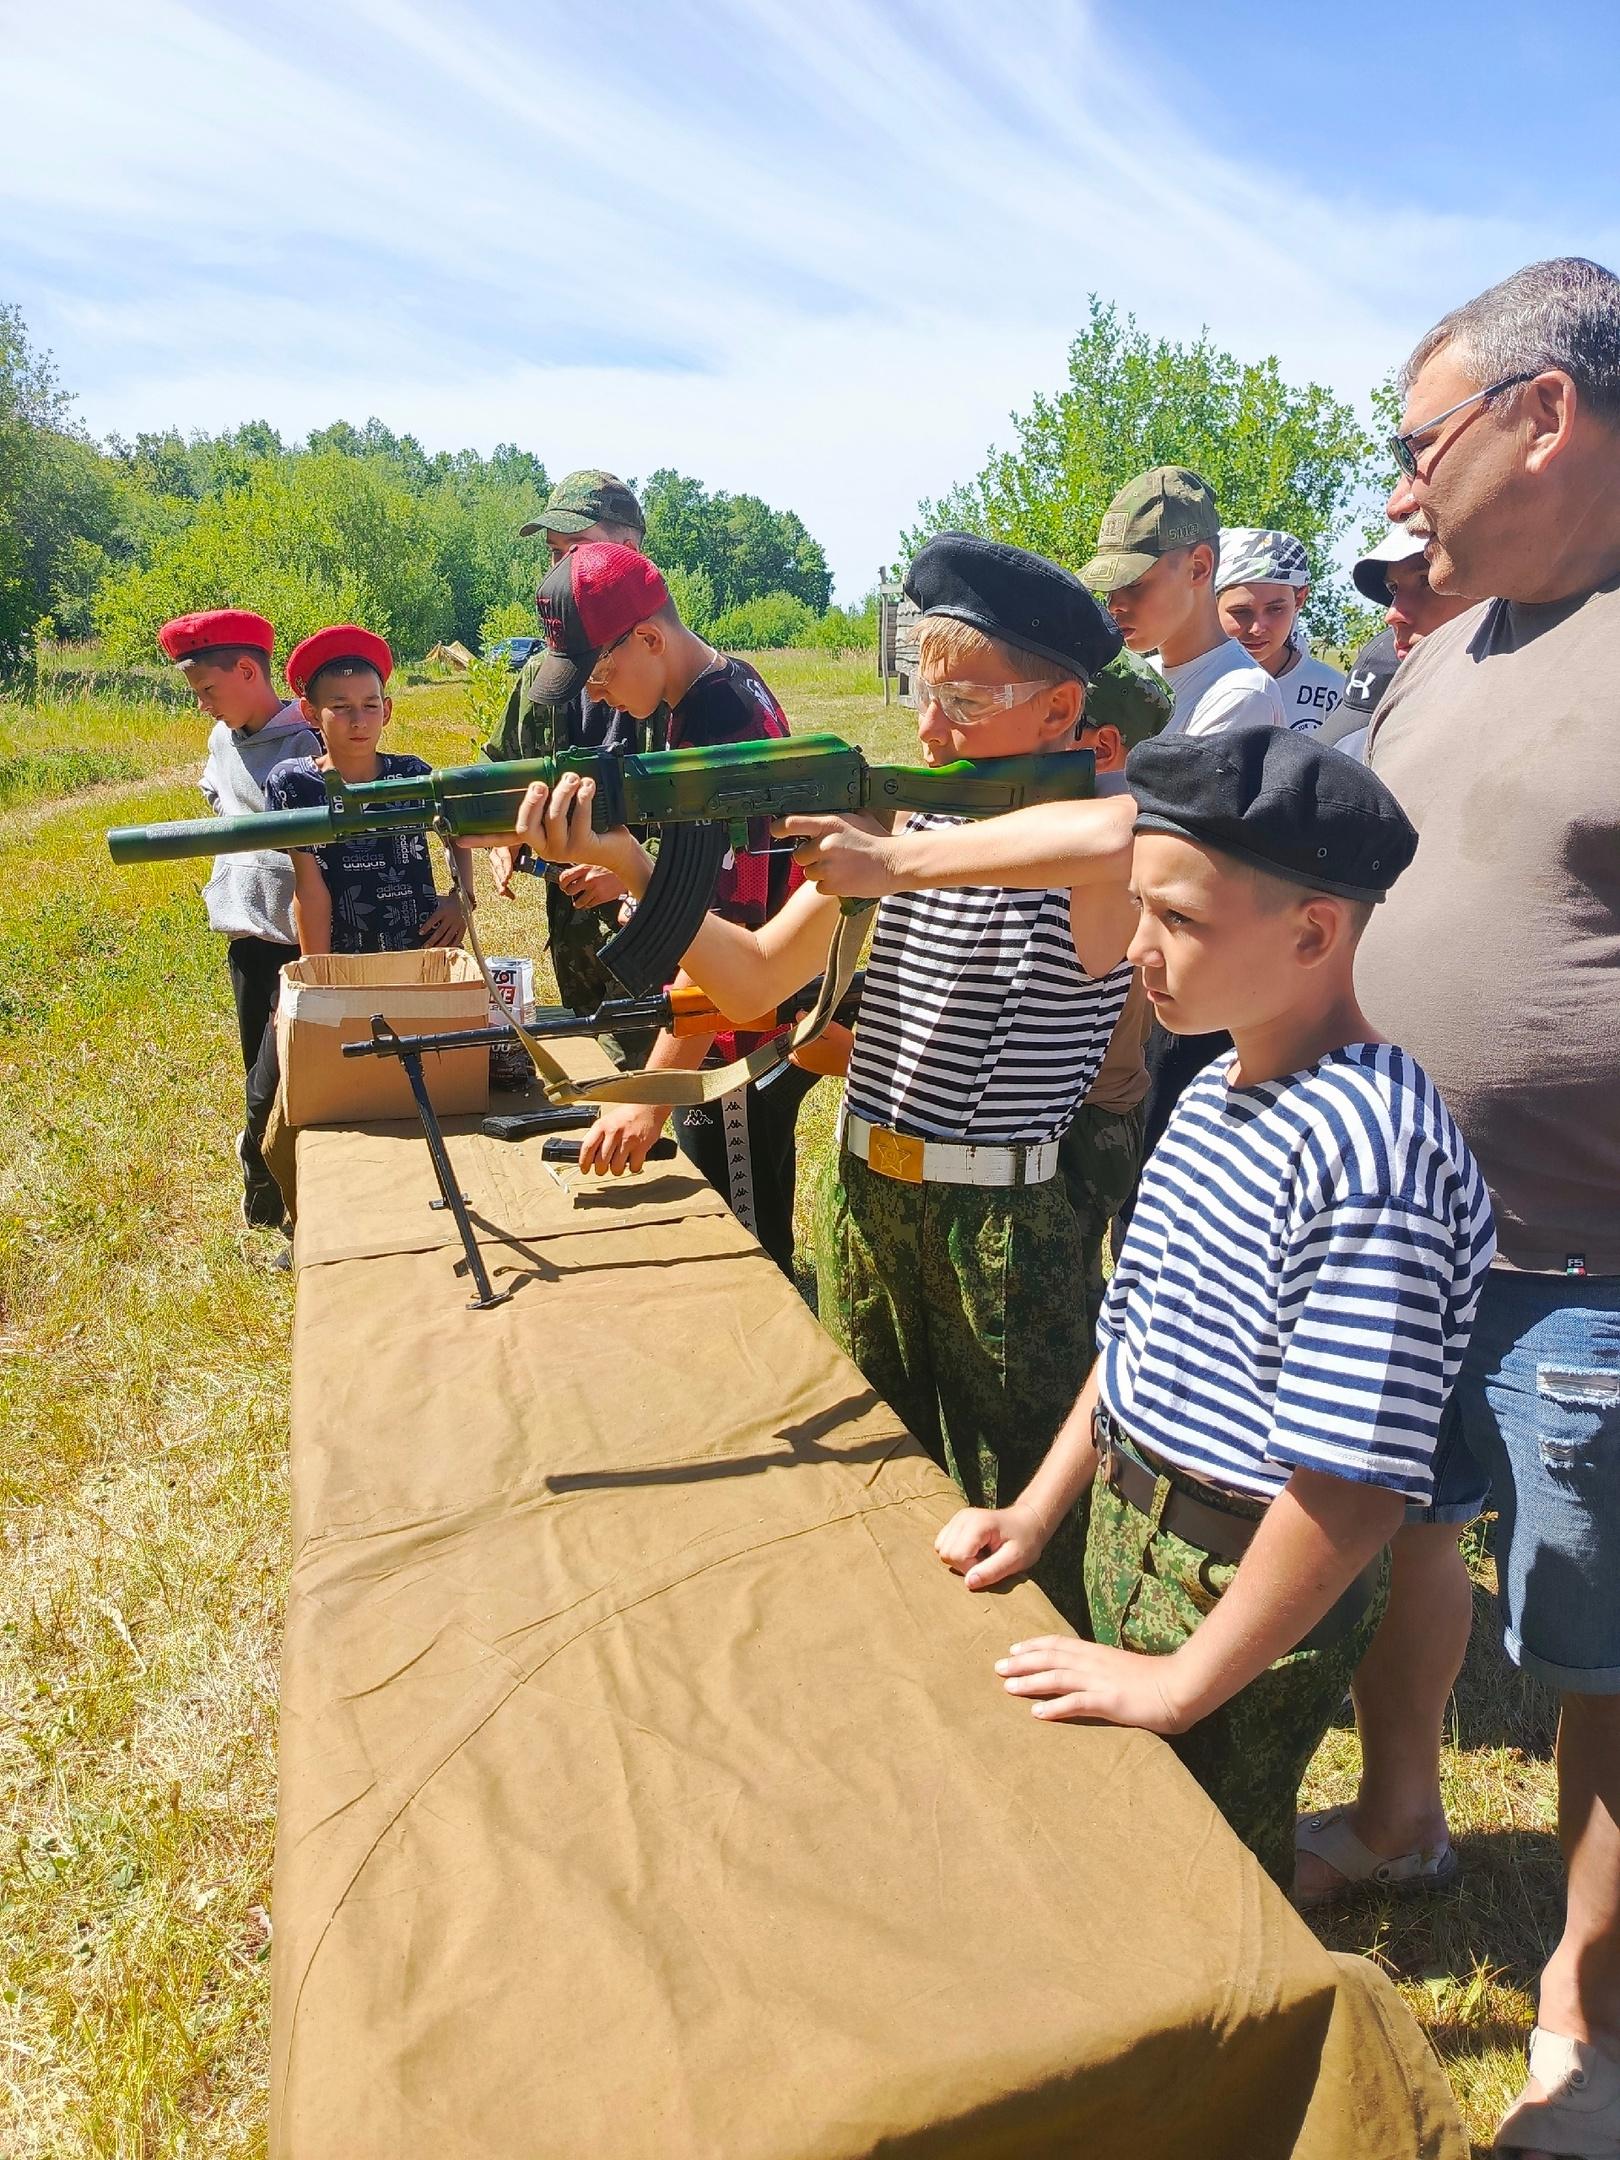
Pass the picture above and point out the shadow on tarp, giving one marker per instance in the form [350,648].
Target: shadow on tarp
[494,1240]
[802,1448]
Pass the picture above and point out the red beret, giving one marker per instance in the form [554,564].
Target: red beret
[347,642]
[189,635]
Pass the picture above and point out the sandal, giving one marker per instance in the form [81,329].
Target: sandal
[1329,1836]
[1580,2114]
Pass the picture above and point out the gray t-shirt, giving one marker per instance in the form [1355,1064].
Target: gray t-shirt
[1496,958]
[252,895]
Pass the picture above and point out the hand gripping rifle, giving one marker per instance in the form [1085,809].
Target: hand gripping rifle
[704,801]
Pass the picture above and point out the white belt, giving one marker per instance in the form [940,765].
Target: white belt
[915,1161]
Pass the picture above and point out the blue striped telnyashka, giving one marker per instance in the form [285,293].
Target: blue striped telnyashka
[1300,1277]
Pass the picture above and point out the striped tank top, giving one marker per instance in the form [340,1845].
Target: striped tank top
[978,1022]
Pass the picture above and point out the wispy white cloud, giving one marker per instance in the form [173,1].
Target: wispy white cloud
[817,251]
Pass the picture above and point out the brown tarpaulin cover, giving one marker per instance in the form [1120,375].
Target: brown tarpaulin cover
[645,1788]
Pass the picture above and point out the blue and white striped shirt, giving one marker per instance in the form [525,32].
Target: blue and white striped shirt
[1300,1278]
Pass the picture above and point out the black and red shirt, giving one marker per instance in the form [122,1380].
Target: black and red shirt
[729,703]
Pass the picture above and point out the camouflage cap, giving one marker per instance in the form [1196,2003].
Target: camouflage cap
[1129,695]
[1153,515]
[583,499]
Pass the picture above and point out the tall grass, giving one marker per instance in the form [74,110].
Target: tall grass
[143,1501]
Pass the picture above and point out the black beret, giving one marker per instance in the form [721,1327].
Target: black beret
[1279,801]
[1020,598]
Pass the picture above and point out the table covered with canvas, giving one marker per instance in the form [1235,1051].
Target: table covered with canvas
[646,1791]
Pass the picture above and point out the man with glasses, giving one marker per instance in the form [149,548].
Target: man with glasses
[1497,963]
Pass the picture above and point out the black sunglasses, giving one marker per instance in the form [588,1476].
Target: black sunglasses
[1406,456]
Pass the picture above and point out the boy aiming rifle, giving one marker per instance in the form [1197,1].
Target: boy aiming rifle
[948,1258]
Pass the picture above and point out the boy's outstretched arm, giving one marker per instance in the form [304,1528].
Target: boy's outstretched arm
[746,972]
[1066,843]
[986,1546]
[1317,1536]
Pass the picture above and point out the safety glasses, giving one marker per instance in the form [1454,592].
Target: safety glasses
[1404,446]
[964,703]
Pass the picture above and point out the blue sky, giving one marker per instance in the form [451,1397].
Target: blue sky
[818,249]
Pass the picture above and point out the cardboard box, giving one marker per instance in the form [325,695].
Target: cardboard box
[328,999]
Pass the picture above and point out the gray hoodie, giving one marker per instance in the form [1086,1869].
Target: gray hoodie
[251,895]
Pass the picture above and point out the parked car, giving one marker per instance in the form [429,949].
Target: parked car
[514,650]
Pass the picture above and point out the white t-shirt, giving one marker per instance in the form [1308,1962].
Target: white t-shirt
[1310,691]
[1223,688]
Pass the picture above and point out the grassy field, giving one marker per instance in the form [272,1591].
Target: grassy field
[143,1386]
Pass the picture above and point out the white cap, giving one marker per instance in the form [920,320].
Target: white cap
[1397,545]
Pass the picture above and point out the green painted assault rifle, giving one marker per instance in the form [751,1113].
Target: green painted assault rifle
[709,799]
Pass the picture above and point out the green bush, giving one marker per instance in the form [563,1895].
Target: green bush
[693,594]
[307,541]
[758,625]
[845,629]
[511,618]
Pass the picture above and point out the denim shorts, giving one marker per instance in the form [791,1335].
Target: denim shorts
[1536,1419]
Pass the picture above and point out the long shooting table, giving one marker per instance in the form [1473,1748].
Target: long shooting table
[646,1792]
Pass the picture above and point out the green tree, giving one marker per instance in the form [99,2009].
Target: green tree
[693,594]
[309,540]
[741,545]
[60,508]
[1275,453]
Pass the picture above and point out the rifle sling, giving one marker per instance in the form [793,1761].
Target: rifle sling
[681,1090]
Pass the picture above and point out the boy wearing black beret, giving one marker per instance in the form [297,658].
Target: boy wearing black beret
[1289,1309]
[948,1259]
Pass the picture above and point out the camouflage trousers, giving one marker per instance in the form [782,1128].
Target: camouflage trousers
[1098,1161]
[575,936]
[1147,1590]
[957,1303]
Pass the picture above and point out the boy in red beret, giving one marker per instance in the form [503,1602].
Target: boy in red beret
[224,655]
[375,891]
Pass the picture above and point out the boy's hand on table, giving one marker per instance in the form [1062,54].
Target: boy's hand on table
[850,857]
[986,1546]
[590,886]
[620,1138]
[1074,1679]
[447,925]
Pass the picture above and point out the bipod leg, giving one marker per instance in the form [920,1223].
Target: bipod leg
[451,1195]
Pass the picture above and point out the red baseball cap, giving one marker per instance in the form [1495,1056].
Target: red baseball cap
[189,637]
[347,642]
[593,597]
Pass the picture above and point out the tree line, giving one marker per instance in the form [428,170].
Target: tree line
[108,539]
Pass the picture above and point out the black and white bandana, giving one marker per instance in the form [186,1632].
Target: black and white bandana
[1255,555]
